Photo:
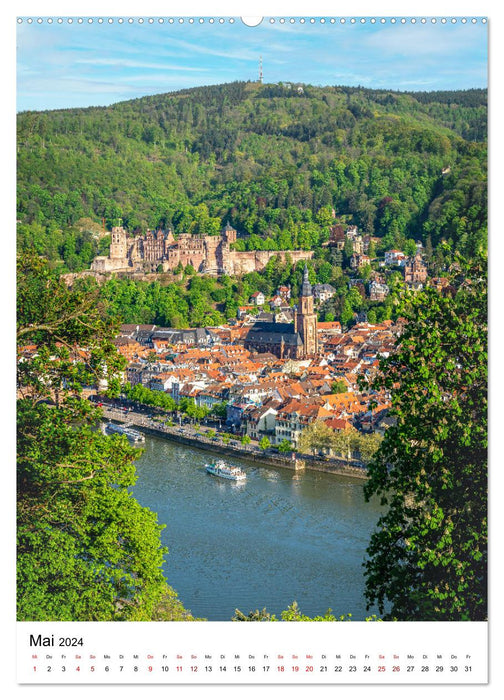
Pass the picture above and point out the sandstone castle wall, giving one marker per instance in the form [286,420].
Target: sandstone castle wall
[206,254]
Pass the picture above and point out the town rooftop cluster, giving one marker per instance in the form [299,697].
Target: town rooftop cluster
[265,395]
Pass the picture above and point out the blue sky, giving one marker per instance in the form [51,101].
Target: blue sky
[77,65]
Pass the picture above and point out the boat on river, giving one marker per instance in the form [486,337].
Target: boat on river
[220,468]
[131,434]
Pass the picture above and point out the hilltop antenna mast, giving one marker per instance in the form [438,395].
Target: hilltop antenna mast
[260,70]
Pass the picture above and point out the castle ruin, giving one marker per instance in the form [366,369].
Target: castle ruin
[206,254]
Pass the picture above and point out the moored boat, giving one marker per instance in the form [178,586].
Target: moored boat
[220,468]
[131,434]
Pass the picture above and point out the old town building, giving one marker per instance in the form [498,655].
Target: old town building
[415,271]
[378,291]
[323,292]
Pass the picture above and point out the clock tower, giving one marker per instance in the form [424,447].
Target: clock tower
[305,320]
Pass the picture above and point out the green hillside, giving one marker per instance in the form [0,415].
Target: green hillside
[271,159]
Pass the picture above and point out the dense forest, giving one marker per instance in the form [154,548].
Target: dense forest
[198,301]
[272,159]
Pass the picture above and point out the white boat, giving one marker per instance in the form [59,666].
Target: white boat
[131,434]
[220,468]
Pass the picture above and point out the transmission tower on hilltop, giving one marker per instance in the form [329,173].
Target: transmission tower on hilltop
[260,70]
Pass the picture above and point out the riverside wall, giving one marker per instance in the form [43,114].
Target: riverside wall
[246,452]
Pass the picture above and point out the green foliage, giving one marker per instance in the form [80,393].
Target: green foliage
[367,445]
[285,446]
[245,440]
[253,616]
[345,442]
[160,399]
[294,614]
[220,409]
[178,304]
[86,549]
[339,387]
[149,397]
[188,407]
[347,314]
[170,609]
[275,165]
[428,557]
[264,443]
[59,321]
[318,436]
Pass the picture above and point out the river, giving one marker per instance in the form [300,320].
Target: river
[279,536]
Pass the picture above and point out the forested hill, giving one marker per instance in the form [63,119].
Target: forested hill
[271,159]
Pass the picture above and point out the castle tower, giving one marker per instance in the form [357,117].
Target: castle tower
[305,321]
[118,247]
[228,233]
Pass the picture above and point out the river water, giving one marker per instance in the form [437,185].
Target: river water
[279,536]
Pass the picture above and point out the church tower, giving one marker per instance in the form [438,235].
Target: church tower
[305,321]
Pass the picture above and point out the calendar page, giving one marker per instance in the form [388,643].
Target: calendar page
[251,347]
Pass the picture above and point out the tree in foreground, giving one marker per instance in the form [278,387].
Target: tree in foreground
[86,549]
[292,614]
[428,557]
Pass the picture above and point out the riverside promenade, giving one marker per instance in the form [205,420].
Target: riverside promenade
[188,435]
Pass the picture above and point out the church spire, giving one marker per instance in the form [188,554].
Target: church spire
[306,289]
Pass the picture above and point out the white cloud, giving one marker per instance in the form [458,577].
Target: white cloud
[242,54]
[128,63]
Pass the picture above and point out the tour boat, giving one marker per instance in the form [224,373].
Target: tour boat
[133,435]
[220,468]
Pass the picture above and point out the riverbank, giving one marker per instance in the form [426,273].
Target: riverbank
[187,436]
